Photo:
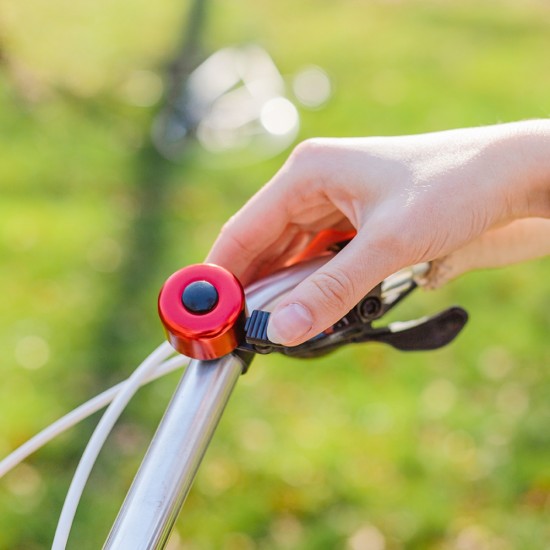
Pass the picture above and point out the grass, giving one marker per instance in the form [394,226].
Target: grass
[439,451]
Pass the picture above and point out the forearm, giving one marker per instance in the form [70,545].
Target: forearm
[520,157]
[524,152]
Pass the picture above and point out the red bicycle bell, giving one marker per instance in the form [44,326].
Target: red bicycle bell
[202,308]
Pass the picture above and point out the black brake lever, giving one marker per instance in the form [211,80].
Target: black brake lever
[427,333]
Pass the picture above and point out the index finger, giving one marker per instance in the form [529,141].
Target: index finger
[247,239]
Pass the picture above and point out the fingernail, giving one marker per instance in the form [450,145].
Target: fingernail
[289,324]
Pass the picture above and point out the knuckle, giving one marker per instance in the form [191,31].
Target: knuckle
[227,226]
[230,236]
[335,289]
[308,149]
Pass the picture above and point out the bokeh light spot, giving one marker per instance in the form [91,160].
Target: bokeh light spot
[279,116]
[312,87]
[32,352]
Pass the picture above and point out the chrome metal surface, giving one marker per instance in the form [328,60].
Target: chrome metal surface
[169,467]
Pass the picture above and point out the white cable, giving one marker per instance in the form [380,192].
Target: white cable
[80,413]
[97,440]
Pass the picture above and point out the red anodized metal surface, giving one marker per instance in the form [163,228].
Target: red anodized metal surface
[321,244]
[208,335]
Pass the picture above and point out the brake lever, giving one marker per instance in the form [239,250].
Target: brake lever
[427,333]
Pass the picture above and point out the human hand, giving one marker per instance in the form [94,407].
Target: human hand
[518,241]
[410,199]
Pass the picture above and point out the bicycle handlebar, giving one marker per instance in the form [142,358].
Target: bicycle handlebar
[174,455]
[172,460]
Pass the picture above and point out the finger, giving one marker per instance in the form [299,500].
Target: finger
[249,238]
[518,241]
[332,291]
[296,196]
[265,232]
[309,243]
[286,250]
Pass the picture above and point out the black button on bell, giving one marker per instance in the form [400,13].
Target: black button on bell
[200,297]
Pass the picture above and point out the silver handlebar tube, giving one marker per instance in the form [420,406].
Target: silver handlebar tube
[173,458]
[174,455]
[169,467]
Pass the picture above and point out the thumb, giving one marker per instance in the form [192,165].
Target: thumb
[328,294]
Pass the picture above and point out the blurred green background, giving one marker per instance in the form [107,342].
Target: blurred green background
[368,449]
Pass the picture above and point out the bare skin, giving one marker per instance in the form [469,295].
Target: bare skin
[410,199]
